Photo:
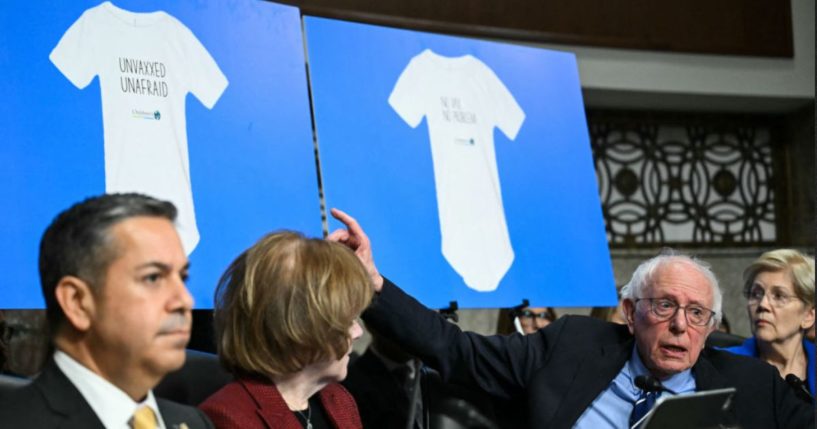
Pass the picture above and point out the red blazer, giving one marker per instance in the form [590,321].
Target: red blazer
[253,404]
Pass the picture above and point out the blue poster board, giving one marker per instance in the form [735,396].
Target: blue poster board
[467,162]
[249,143]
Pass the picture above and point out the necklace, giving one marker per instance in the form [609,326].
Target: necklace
[307,418]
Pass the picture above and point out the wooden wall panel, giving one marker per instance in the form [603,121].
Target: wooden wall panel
[725,27]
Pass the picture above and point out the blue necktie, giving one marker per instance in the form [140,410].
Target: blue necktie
[642,406]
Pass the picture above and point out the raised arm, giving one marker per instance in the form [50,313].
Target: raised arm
[499,365]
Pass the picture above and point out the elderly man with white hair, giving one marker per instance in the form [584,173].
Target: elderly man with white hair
[580,372]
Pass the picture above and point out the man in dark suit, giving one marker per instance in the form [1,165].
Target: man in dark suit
[580,372]
[112,271]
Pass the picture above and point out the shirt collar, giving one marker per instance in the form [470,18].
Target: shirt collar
[112,405]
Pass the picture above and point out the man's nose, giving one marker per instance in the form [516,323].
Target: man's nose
[679,320]
[181,300]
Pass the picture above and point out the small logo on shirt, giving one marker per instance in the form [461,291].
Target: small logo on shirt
[464,141]
[141,114]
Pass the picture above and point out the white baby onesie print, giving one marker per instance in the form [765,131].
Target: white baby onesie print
[146,63]
[463,100]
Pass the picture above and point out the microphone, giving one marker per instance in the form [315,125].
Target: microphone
[649,383]
[799,387]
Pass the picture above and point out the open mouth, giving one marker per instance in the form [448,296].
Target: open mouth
[673,350]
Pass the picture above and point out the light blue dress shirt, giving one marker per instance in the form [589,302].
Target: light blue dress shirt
[612,408]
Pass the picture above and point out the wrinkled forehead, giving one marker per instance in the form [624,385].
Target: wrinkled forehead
[682,282]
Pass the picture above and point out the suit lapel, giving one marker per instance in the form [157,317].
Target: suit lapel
[272,408]
[63,398]
[338,412]
[706,376]
[174,416]
[593,375]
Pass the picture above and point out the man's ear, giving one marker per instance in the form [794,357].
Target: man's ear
[76,299]
[629,312]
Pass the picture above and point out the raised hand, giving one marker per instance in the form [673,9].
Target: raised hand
[354,238]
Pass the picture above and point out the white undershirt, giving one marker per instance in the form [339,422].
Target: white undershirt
[112,405]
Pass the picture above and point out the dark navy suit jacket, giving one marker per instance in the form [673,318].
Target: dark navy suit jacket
[52,401]
[564,367]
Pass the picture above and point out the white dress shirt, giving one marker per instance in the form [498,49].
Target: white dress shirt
[112,405]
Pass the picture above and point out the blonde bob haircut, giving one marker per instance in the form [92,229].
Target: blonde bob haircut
[800,268]
[287,302]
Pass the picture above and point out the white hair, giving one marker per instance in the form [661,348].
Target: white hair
[643,277]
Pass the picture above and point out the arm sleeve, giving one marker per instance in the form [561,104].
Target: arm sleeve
[508,116]
[405,98]
[74,54]
[498,365]
[204,77]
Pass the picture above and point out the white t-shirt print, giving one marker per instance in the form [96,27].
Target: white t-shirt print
[146,63]
[463,100]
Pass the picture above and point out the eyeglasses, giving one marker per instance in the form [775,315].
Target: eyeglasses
[665,309]
[531,315]
[777,299]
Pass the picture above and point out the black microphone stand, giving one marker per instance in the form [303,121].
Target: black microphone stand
[416,394]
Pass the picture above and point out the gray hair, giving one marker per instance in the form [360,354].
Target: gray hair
[643,277]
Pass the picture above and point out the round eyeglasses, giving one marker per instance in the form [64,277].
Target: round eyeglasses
[664,309]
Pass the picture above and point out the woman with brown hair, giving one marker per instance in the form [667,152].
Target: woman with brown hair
[286,315]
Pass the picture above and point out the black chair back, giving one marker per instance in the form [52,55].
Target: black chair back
[200,377]
[720,339]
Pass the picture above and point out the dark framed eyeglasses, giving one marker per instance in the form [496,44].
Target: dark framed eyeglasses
[664,309]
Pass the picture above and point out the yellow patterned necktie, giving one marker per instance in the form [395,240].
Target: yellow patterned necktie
[144,418]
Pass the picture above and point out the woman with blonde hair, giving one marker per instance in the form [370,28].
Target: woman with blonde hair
[779,288]
[286,315]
